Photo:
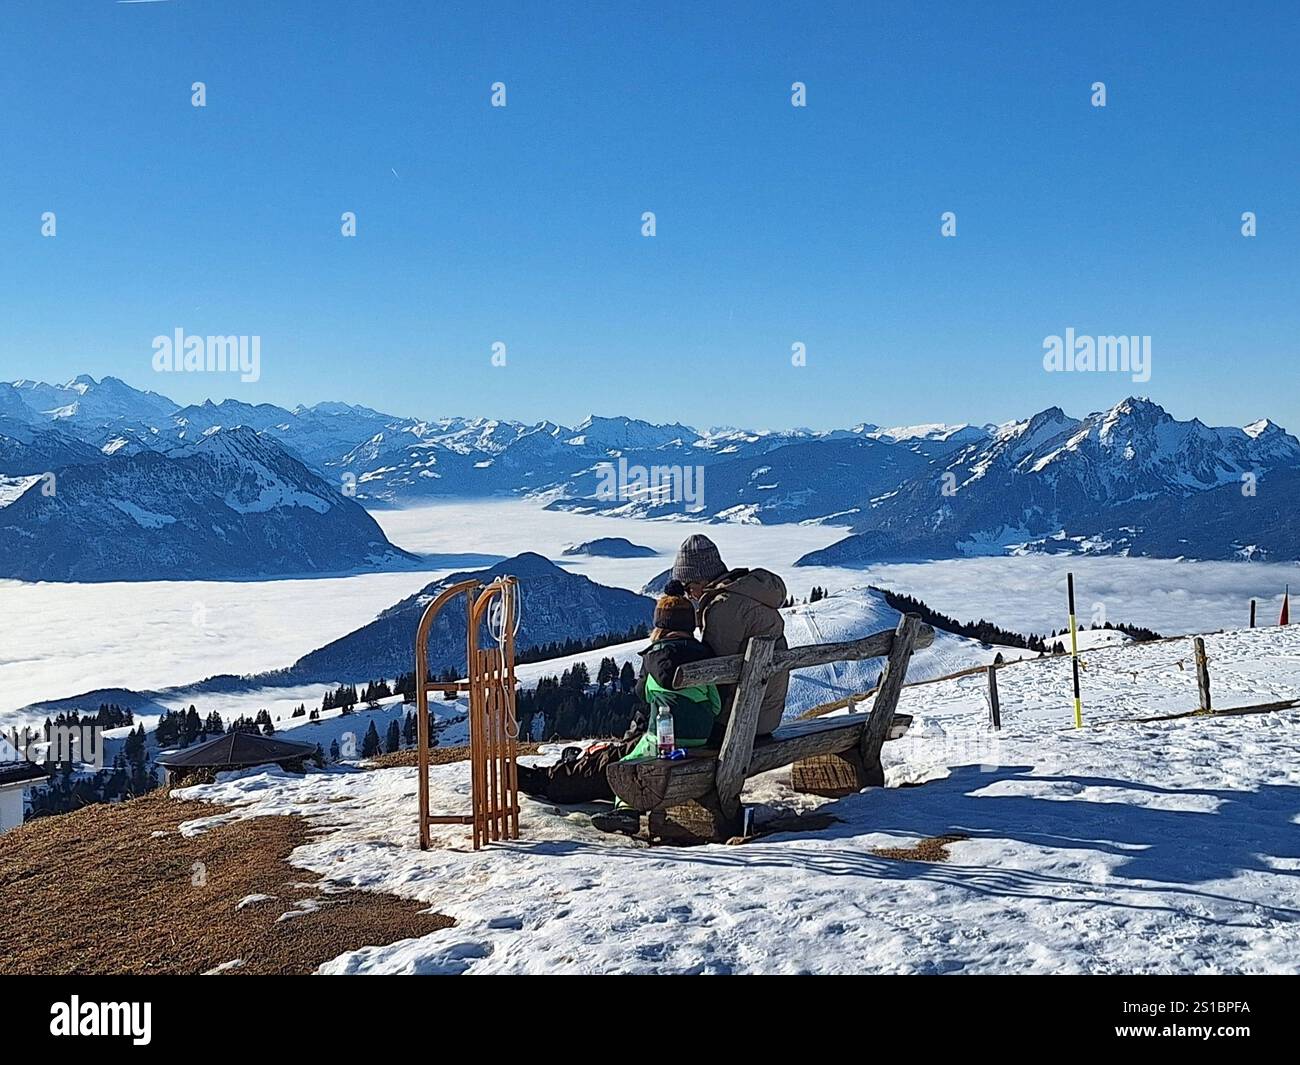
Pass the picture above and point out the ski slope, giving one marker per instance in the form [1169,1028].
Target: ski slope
[1125,846]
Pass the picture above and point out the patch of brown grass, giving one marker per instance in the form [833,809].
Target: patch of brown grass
[437,756]
[114,888]
[934,849]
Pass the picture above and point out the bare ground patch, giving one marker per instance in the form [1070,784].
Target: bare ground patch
[115,888]
[933,849]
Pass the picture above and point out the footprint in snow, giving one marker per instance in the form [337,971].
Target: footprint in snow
[512,924]
[453,961]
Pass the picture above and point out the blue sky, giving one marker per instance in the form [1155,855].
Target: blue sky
[775,224]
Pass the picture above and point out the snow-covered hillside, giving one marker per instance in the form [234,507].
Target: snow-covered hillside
[847,615]
[1165,846]
[555,605]
[234,504]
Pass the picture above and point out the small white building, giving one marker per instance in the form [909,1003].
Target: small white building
[15,779]
[16,776]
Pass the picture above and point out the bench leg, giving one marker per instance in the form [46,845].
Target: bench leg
[882,713]
[874,771]
[700,821]
[835,775]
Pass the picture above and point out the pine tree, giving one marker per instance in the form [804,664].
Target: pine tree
[168,730]
[139,778]
[370,744]
[608,671]
[191,726]
[393,740]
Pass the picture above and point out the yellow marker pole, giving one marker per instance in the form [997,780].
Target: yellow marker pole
[1074,654]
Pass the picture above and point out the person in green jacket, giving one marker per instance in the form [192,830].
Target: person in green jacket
[695,709]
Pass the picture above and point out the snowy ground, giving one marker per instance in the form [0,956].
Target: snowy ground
[1168,846]
[59,640]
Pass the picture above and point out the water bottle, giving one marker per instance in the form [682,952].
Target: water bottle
[664,734]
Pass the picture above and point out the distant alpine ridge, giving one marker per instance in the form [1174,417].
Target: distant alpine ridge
[1128,480]
[233,504]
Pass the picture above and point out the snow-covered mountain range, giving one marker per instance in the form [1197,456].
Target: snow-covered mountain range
[1128,480]
[234,505]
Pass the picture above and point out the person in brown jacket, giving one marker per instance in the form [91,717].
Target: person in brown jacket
[732,606]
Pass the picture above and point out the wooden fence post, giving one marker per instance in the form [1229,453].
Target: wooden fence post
[995,711]
[1202,673]
[1252,613]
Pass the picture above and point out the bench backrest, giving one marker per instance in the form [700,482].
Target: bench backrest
[750,673]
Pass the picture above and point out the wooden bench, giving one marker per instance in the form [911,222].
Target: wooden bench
[697,799]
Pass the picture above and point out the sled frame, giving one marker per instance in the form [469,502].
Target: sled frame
[493,724]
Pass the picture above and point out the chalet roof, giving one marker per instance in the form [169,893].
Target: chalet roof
[21,772]
[237,749]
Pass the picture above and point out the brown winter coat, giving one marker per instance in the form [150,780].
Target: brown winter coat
[738,605]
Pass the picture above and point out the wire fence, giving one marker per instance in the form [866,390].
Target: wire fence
[1115,688]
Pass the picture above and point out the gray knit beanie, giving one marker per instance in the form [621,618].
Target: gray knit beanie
[698,560]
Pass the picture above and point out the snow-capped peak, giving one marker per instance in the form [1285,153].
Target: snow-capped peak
[1263,427]
[926,431]
[621,433]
